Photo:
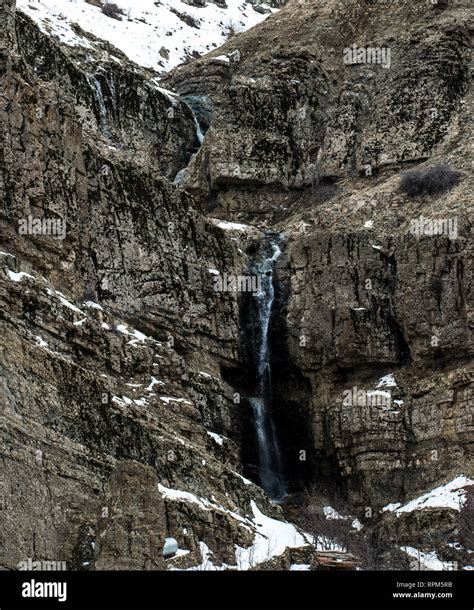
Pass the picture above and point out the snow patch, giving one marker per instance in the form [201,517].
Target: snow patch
[40,341]
[93,305]
[271,540]
[168,399]
[17,277]
[451,495]
[153,383]
[203,374]
[230,226]
[246,481]
[387,382]
[67,303]
[154,35]
[427,561]
[216,437]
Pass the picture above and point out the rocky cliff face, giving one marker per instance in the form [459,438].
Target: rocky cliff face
[96,411]
[301,137]
[296,92]
[123,366]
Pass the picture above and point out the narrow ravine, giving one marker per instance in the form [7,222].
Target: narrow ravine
[269,456]
[182,174]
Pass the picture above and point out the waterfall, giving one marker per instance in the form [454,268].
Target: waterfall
[99,98]
[269,460]
[199,134]
[182,174]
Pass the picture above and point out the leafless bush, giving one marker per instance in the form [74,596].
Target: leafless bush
[434,180]
[335,534]
[325,191]
[233,28]
[327,534]
[112,10]
[466,520]
[367,550]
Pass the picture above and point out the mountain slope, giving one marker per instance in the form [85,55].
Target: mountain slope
[157,35]
[123,370]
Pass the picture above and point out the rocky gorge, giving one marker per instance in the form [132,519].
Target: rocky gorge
[130,375]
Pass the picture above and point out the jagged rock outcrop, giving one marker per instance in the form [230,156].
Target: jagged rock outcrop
[115,97]
[117,212]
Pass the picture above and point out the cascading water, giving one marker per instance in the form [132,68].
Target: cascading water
[269,466]
[199,133]
[99,98]
[182,174]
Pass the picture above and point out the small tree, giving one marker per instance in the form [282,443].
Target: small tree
[367,549]
[112,10]
[466,520]
[327,533]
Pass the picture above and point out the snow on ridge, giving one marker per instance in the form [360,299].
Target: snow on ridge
[185,496]
[203,503]
[153,36]
[451,495]
[67,303]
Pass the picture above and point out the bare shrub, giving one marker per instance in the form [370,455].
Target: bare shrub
[233,28]
[112,10]
[368,551]
[336,534]
[431,181]
[187,19]
[466,520]
[324,192]
[327,534]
